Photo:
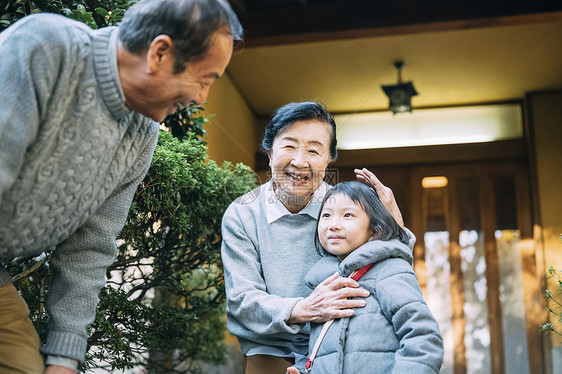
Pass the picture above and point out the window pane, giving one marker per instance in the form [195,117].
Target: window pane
[477,333]
[473,124]
[437,264]
[473,265]
[439,291]
[511,299]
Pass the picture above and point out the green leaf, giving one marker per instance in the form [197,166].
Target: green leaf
[101,11]
[117,12]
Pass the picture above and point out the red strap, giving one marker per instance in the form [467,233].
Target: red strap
[355,276]
[359,273]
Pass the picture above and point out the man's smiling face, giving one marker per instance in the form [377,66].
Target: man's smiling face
[164,91]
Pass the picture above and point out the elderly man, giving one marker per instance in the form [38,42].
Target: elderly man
[77,134]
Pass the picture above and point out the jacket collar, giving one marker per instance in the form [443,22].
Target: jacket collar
[372,252]
[104,46]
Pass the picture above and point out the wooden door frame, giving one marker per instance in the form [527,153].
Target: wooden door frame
[531,282]
[438,156]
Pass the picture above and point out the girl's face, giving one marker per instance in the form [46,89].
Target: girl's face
[343,226]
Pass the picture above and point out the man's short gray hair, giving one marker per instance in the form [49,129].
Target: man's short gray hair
[189,23]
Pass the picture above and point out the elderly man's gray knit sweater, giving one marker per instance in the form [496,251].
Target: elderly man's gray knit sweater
[71,157]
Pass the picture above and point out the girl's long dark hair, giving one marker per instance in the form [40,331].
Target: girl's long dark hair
[382,224]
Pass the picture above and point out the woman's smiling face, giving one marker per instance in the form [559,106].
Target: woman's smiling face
[298,160]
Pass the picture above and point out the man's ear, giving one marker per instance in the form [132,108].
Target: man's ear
[160,54]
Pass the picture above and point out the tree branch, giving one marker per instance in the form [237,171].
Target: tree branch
[36,266]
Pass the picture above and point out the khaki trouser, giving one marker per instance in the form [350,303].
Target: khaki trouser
[19,342]
[265,364]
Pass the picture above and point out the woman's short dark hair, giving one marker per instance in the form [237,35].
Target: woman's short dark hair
[382,224]
[189,23]
[288,114]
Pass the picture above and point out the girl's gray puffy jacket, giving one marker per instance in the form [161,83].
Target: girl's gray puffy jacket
[394,333]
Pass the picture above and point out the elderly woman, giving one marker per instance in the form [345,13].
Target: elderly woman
[268,244]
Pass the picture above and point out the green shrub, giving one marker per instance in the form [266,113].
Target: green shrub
[165,291]
[94,13]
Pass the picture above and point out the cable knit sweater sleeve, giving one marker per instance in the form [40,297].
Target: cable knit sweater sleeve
[25,91]
[79,265]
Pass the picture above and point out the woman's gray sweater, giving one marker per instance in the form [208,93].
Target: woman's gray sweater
[264,268]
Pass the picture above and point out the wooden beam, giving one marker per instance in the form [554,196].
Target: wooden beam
[538,250]
[416,28]
[534,302]
[451,153]
[418,225]
[488,216]
[456,278]
[282,24]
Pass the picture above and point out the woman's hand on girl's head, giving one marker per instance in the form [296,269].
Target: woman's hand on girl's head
[329,300]
[385,194]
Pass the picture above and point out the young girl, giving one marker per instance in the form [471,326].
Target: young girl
[395,332]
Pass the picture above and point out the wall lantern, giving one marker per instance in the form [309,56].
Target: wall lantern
[400,94]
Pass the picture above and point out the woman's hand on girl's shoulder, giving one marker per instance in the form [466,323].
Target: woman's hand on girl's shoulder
[293,370]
